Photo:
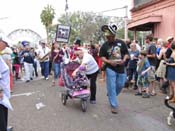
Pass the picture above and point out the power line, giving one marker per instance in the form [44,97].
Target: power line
[3,18]
[113,9]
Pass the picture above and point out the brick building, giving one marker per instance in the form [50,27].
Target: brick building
[157,16]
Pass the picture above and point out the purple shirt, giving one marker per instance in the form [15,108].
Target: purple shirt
[59,56]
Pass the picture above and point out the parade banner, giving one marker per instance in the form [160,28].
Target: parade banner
[63,33]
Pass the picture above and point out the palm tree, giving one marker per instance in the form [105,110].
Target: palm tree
[47,15]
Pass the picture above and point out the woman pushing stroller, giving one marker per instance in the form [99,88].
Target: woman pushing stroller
[91,70]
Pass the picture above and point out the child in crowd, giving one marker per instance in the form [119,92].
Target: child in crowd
[142,69]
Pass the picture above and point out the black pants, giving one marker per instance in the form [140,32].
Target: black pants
[132,72]
[93,78]
[3,118]
[50,67]
[35,69]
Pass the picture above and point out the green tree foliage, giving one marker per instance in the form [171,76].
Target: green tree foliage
[47,15]
[87,26]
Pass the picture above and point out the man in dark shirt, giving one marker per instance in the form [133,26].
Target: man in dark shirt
[114,54]
[28,63]
[151,54]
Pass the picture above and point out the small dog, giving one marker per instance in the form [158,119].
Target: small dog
[172,113]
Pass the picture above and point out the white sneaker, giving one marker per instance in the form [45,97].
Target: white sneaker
[47,78]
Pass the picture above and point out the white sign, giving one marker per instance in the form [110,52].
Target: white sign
[62,33]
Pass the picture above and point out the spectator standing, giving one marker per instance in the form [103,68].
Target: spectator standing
[16,63]
[142,69]
[132,65]
[161,70]
[6,55]
[4,88]
[171,72]
[151,55]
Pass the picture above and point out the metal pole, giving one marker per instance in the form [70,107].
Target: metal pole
[126,22]
[66,9]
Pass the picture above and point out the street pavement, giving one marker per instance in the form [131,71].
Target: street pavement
[135,113]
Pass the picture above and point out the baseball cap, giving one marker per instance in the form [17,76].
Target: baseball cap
[4,39]
[170,38]
[25,43]
[110,29]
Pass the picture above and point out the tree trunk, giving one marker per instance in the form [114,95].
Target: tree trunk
[47,34]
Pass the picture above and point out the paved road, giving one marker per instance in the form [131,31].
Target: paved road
[135,113]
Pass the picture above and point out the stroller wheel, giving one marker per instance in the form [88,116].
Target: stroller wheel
[84,105]
[63,99]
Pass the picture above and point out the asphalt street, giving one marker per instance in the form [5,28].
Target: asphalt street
[135,113]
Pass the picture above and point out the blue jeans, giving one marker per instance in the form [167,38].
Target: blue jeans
[115,82]
[45,68]
[56,70]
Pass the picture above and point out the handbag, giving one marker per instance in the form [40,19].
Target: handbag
[60,82]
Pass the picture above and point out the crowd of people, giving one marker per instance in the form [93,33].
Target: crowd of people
[119,63]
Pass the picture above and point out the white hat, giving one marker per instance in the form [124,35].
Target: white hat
[112,28]
[7,50]
[5,39]
[170,37]
[42,41]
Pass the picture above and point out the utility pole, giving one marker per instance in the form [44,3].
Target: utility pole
[66,11]
[126,22]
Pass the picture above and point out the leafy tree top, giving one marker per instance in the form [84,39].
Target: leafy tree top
[47,15]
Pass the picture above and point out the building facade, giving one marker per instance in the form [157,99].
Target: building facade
[157,16]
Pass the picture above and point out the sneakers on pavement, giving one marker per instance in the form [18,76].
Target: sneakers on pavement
[146,95]
[10,128]
[138,94]
[92,101]
[114,110]
[27,81]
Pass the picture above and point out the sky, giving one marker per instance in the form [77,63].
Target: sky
[25,14]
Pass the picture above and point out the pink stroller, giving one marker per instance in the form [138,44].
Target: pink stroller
[76,88]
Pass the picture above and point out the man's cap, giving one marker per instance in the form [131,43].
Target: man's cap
[24,43]
[110,29]
[170,38]
[4,39]
[43,41]
[77,42]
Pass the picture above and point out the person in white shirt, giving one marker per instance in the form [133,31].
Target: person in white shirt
[43,54]
[66,57]
[92,69]
[4,88]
